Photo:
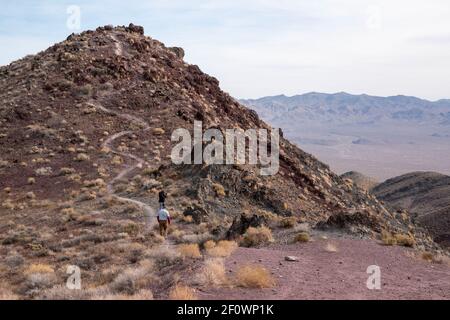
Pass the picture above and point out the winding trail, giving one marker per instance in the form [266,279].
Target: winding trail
[149,212]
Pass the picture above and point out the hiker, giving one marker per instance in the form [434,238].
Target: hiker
[163,220]
[162,199]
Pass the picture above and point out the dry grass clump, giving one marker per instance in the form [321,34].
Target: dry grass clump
[405,240]
[256,236]
[164,257]
[6,295]
[181,292]
[213,273]
[435,258]
[288,222]
[209,244]
[190,250]
[14,260]
[38,277]
[188,219]
[39,268]
[82,157]
[254,276]
[222,249]
[331,247]
[302,237]
[134,279]
[158,131]
[219,189]
[388,239]
[66,171]
[397,239]
[142,294]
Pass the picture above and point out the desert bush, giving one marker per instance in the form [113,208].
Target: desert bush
[302,237]
[388,239]
[61,292]
[219,189]
[6,295]
[158,131]
[39,268]
[134,251]
[164,257]
[143,294]
[66,171]
[288,222]
[116,160]
[405,240]
[257,236]
[82,157]
[196,238]
[400,239]
[31,181]
[4,164]
[38,277]
[190,250]
[427,256]
[209,244]
[331,247]
[133,279]
[181,292]
[253,276]
[45,171]
[223,249]
[14,260]
[213,273]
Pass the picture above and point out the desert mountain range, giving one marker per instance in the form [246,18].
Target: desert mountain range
[381,137]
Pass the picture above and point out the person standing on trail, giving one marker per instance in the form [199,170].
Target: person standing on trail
[162,199]
[163,220]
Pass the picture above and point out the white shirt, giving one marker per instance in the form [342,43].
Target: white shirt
[163,215]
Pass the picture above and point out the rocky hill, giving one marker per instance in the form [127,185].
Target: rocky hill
[364,182]
[85,142]
[426,195]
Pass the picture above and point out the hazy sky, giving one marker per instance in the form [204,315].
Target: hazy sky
[258,48]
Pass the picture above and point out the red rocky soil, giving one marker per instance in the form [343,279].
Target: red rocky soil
[319,274]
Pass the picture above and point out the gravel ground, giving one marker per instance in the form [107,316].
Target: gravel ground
[320,274]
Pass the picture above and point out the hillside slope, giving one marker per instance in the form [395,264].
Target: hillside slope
[86,140]
[364,182]
[426,195]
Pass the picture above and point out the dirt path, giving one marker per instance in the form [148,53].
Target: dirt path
[149,212]
[319,274]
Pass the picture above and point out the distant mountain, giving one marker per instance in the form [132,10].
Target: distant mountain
[343,107]
[364,182]
[426,195]
[380,137]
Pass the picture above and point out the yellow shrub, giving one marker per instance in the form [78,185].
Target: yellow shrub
[213,273]
[404,240]
[39,268]
[209,244]
[158,131]
[253,276]
[180,292]
[190,250]
[188,219]
[219,189]
[388,239]
[288,222]
[302,237]
[257,236]
[222,249]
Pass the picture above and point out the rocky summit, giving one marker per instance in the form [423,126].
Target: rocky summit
[85,141]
